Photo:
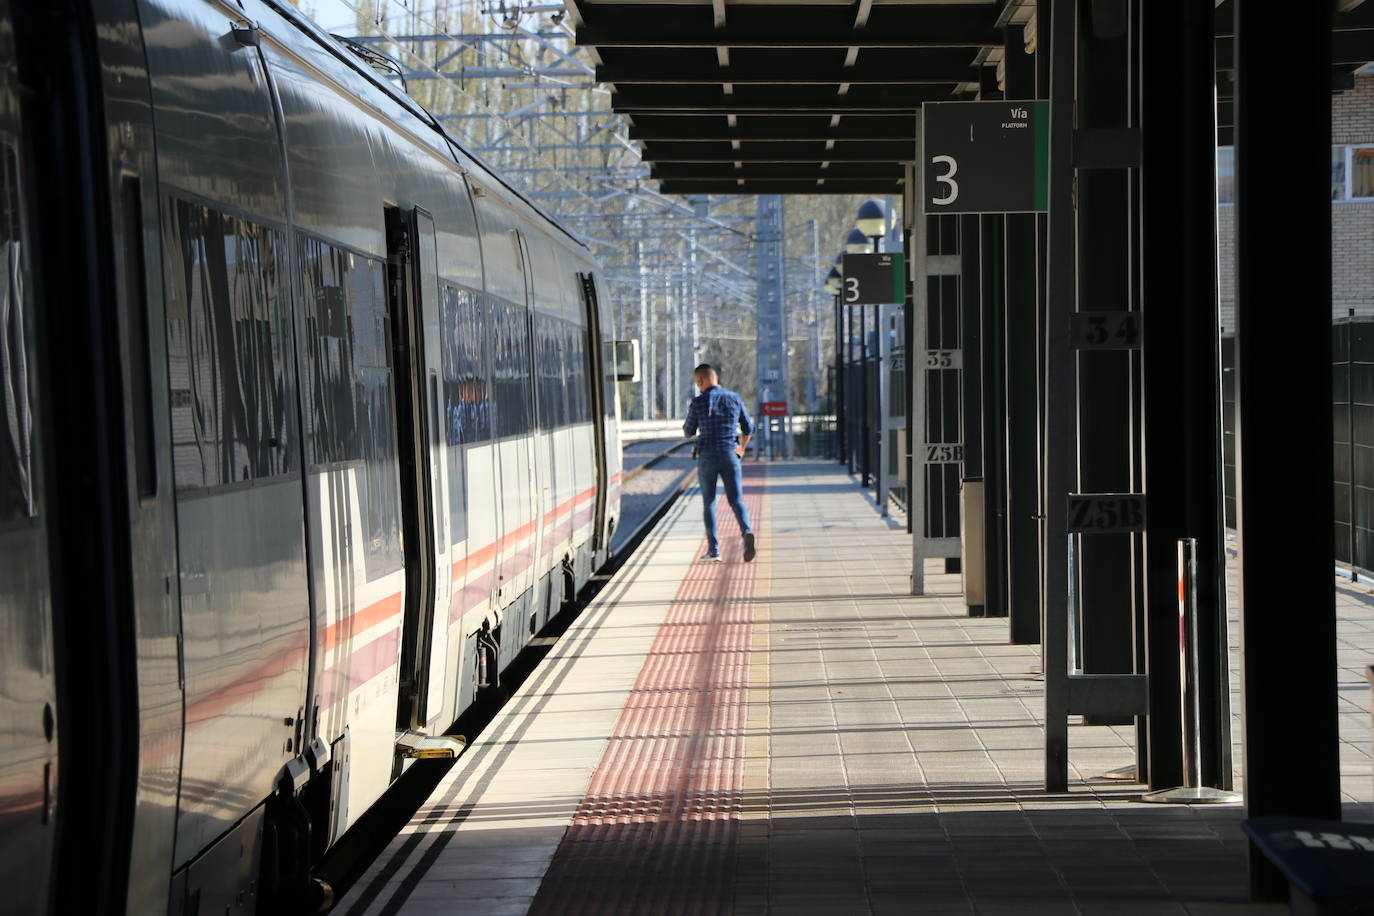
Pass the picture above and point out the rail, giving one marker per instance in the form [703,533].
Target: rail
[630,475]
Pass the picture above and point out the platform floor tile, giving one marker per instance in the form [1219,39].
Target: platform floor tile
[801,736]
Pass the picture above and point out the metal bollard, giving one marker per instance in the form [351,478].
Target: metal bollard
[1192,792]
[1075,610]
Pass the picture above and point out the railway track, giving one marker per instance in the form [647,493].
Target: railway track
[656,457]
[643,500]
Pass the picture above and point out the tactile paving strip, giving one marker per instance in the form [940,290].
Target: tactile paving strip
[659,826]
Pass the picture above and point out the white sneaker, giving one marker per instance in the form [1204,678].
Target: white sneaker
[712,558]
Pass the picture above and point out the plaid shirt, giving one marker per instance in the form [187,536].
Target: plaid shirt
[716,413]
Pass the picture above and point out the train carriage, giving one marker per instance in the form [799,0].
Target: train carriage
[310,425]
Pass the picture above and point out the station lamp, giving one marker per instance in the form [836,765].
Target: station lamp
[857,243]
[832,282]
[872,221]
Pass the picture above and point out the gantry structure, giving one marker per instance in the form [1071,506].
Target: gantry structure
[686,272]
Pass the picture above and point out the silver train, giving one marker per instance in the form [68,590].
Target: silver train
[307,424]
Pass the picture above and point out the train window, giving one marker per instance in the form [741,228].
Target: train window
[549,366]
[140,375]
[512,369]
[577,372]
[349,401]
[16,421]
[566,388]
[569,348]
[467,391]
[543,353]
[227,347]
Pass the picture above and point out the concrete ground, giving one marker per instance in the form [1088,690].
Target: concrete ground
[800,736]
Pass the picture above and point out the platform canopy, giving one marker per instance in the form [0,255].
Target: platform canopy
[811,96]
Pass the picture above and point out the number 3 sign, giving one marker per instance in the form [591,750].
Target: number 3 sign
[999,150]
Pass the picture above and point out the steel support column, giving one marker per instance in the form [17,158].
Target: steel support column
[1107,379]
[1285,514]
[1060,390]
[837,403]
[854,427]
[971,417]
[1182,374]
[911,201]
[918,270]
[867,397]
[771,349]
[944,403]
[1022,284]
[994,408]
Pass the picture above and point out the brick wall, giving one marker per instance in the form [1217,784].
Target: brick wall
[1352,222]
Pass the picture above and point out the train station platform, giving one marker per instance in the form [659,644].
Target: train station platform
[796,735]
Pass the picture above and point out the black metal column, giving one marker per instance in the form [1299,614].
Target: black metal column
[837,403]
[992,362]
[944,403]
[1060,388]
[991,234]
[913,365]
[853,420]
[1044,10]
[1182,375]
[971,391]
[1285,512]
[866,399]
[1021,308]
[1107,388]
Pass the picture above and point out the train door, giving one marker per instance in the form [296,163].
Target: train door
[427,267]
[536,477]
[87,606]
[542,473]
[595,370]
[28,749]
[520,523]
[412,284]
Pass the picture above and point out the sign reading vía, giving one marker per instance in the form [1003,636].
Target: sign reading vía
[985,157]
[873,279]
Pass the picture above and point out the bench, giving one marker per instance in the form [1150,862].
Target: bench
[1329,864]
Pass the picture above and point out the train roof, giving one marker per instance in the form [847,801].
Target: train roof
[309,29]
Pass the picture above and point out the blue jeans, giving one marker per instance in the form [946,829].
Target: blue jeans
[726,465]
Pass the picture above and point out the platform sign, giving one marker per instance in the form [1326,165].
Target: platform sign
[985,157]
[873,279]
[944,452]
[1105,512]
[1105,330]
[944,359]
[773,408]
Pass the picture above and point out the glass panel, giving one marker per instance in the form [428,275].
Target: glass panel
[349,401]
[226,341]
[1226,175]
[513,407]
[467,392]
[1338,173]
[16,400]
[1362,171]
[627,360]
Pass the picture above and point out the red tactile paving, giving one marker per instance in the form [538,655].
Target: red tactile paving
[657,830]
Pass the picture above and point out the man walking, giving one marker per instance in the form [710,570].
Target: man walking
[716,413]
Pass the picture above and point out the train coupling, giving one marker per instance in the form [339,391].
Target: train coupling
[421,747]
